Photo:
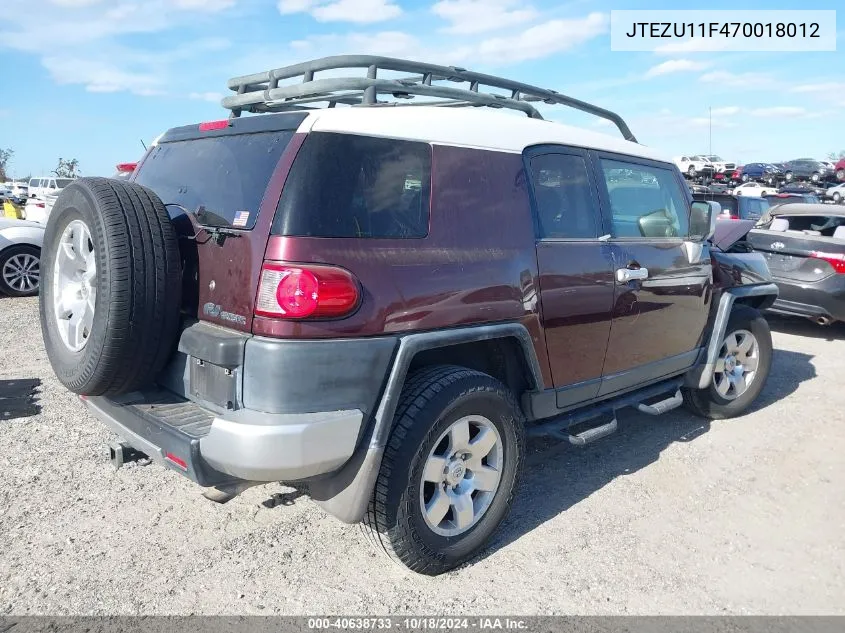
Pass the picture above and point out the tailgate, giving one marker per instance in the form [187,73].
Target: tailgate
[796,256]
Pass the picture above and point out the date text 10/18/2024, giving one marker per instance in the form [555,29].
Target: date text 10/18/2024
[417,623]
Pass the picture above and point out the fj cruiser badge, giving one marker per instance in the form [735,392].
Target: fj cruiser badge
[215,311]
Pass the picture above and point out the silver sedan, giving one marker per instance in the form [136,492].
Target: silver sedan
[20,256]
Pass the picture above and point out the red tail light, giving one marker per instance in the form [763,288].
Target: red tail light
[836,260]
[208,126]
[126,167]
[294,291]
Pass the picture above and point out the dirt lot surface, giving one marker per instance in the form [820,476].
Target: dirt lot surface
[670,515]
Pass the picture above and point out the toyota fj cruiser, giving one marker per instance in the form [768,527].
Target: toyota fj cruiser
[377,303]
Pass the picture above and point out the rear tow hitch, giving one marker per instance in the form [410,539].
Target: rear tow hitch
[121,453]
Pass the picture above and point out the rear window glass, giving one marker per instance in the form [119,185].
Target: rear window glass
[220,179]
[824,226]
[343,185]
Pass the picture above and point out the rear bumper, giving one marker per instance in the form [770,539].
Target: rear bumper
[825,299]
[211,449]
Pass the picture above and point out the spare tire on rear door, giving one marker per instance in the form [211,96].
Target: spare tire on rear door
[110,286]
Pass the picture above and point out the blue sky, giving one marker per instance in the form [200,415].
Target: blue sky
[91,79]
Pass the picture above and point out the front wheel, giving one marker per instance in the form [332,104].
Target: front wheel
[788,176]
[815,177]
[837,198]
[20,271]
[691,171]
[742,367]
[450,469]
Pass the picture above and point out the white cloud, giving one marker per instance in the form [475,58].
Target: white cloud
[543,40]
[726,111]
[213,97]
[676,66]
[737,80]
[79,41]
[468,17]
[778,111]
[357,11]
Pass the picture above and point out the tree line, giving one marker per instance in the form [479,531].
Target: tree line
[66,168]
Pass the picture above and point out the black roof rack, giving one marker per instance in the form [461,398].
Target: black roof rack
[261,92]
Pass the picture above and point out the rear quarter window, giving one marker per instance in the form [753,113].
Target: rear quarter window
[344,185]
[220,179]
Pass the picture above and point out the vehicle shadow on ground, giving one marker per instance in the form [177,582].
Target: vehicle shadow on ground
[804,327]
[558,475]
[18,398]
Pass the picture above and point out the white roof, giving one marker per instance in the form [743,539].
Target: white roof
[467,127]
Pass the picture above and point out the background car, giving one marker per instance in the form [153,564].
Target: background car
[778,199]
[754,189]
[806,169]
[20,257]
[804,246]
[124,171]
[720,165]
[39,187]
[35,210]
[804,187]
[736,207]
[694,165]
[835,193]
[764,172]
[839,169]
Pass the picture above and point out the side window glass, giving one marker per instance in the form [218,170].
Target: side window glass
[645,201]
[566,205]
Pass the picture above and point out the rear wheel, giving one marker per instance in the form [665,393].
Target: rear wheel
[742,367]
[20,271]
[691,171]
[837,198]
[788,176]
[815,177]
[449,471]
[840,174]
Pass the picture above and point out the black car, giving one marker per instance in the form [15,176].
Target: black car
[804,187]
[807,169]
[762,172]
[804,245]
[736,207]
[777,199]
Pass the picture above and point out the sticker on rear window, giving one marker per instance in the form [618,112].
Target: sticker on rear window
[241,218]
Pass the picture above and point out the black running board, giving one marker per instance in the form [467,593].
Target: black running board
[668,392]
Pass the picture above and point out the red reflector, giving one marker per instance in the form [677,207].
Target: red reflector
[176,460]
[83,397]
[836,260]
[303,291]
[214,125]
[126,167]
[40,205]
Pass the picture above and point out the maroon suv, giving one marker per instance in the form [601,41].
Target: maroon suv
[375,303]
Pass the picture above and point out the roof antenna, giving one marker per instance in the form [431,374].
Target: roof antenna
[144,144]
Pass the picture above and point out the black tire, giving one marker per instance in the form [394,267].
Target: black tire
[432,399]
[138,287]
[708,402]
[837,198]
[840,174]
[13,254]
[788,176]
[815,177]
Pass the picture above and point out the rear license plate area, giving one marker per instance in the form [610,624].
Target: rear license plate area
[213,383]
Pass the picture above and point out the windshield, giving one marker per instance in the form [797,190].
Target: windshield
[221,179]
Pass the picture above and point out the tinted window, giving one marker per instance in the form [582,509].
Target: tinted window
[754,208]
[222,178]
[645,201]
[566,206]
[343,185]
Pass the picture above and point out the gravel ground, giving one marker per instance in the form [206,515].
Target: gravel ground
[671,515]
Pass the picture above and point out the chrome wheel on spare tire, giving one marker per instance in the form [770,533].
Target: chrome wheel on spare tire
[450,468]
[110,303]
[75,285]
[20,271]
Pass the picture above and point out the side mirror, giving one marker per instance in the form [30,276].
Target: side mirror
[703,218]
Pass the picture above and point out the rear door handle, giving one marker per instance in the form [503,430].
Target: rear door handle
[624,275]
